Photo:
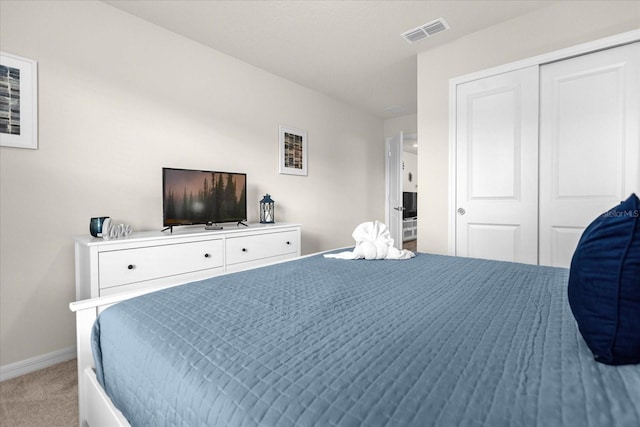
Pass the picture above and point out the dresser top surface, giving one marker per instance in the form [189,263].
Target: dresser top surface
[184,231]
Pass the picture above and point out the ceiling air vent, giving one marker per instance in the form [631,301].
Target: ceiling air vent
[425,30]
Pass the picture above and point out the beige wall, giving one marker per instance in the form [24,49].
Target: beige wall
[119,99]
[558,26]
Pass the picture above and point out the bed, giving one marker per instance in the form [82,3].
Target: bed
[433,340]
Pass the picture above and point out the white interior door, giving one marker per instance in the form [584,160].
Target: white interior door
[394,189]
[497,167]
[589,155]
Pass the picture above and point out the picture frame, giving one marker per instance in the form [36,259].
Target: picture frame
[293,151]
[18,102]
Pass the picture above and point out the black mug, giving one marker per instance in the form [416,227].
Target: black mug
[95,226]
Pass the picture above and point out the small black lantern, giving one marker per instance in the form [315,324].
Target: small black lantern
[267,210]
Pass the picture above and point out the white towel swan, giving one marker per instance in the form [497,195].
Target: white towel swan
[373,241]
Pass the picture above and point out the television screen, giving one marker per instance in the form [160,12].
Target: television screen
[197,197]
[410,204]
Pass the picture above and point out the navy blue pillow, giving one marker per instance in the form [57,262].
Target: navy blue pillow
[604,284]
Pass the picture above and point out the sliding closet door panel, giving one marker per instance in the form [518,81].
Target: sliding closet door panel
[496,171]
[492,241]
[589,156]
[493,143]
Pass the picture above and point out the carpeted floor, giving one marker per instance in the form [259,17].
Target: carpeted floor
[48,397]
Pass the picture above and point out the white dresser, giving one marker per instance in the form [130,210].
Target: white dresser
[155,259]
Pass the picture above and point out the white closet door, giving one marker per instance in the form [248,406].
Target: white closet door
[589,155]
[497,167]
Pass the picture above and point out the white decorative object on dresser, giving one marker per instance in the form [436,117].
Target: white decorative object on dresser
[158,259]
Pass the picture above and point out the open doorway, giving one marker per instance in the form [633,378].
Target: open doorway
[409,171]
[401,159]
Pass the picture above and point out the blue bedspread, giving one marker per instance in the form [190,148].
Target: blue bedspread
[434,340]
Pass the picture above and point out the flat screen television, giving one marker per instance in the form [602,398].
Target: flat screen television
[410,204]
[192,197]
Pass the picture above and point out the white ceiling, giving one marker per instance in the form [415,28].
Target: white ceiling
[349,50]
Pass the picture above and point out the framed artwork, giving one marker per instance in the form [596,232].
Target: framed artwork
[18,102]
[293,151]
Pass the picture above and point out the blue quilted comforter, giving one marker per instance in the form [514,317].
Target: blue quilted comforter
[434,340]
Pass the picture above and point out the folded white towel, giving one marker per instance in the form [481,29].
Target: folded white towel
[373,241]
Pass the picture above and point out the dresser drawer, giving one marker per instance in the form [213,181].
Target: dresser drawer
[251,248]
[125,266]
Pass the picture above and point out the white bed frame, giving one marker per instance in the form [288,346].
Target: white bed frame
[95,409]
[94,406]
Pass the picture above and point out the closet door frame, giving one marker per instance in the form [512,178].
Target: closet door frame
[581,49]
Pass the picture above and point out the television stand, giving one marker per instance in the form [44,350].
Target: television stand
[409,228]
[170,228]
[159,259]
[241,223]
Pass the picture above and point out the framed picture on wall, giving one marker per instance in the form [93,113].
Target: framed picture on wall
[18,101]
[293,151]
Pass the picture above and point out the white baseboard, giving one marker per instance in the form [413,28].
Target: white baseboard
[33,364]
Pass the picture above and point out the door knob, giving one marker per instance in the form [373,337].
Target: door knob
[461,211]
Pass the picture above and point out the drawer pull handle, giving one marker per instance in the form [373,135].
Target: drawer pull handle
[244,249]
[288,242]
[207,255]
[131,266]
